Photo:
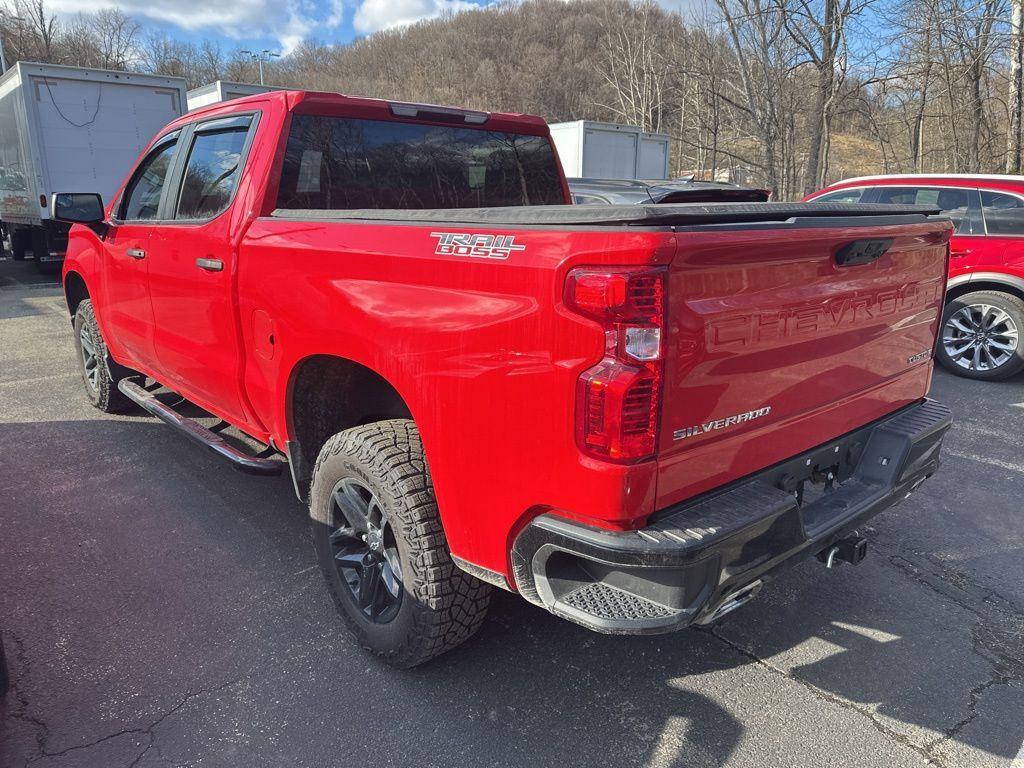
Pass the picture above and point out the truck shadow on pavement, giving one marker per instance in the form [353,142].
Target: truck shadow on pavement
[156,597]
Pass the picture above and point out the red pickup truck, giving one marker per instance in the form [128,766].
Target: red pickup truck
[632,415]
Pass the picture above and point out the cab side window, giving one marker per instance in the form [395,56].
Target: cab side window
[213,168]
[1004,214]
[960,205]
[141,199]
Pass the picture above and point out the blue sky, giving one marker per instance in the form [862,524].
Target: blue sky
[276,24]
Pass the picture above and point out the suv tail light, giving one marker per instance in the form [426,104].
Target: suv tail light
[619,399]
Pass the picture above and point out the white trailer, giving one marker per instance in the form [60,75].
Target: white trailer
[221,90]
[70,129]
[594,150]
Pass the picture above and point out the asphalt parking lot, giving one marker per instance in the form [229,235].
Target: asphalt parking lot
[160,609]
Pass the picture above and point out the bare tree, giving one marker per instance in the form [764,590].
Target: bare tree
[635,66]
[116,36]
[1015,97]
[818,27]
[756,30]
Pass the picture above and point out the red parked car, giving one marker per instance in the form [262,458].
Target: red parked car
[984,312]
[632,415]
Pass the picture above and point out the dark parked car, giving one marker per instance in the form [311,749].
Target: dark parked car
[638,192]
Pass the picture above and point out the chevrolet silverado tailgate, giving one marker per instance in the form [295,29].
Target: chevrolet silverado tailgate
[782,336]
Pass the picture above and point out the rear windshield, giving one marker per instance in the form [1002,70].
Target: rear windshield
[334,162]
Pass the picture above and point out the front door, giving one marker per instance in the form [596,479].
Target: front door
[127,315]
[191,265]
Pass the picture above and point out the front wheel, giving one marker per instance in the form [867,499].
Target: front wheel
[99,373]
[382,550]
[980,337]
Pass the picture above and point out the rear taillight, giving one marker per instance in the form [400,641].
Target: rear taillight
[618,400]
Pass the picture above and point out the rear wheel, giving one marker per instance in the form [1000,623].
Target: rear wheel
[382,550]
[980,337]
[99,373]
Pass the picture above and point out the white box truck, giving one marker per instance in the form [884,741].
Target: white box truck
[594,150]
[222,90]
[70,129]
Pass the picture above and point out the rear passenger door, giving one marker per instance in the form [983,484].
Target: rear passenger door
[1004,227]
[191,267]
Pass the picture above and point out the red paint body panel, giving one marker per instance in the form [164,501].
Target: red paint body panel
[970,255]
[487,356]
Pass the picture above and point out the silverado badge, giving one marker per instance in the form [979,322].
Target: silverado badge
[729,421]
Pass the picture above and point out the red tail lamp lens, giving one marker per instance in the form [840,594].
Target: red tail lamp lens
[619,399]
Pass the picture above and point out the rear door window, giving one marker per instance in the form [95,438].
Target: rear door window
[212,169]
[345,163]
[1004,214]
[960,205]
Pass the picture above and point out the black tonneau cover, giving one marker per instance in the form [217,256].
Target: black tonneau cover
[673,214]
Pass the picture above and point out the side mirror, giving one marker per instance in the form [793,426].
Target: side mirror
[77,208]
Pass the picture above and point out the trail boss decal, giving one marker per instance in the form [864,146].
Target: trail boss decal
[476,246]
[729,421]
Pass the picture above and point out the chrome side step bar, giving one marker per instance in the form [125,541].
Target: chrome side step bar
[255,465]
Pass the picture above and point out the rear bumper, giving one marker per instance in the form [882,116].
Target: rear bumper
[713,552]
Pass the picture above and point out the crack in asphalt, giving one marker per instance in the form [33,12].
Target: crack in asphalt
[42,731]
[837,700]
[997,637]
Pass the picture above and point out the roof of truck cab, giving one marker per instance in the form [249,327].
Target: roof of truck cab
[342,105]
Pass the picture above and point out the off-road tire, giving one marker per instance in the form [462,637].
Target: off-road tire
[442,606]
[105,395]
[1007,302]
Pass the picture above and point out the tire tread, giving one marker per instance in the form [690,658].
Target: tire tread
[448,604]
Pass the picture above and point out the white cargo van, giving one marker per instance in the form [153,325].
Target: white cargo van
[222,90]
[66,129]
[610,151]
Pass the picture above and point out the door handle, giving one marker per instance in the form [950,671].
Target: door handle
[862,251]
[960,253]
[210,265]
[136,253]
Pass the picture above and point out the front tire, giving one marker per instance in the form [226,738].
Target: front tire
[382,550]
[100,374]
[980,336]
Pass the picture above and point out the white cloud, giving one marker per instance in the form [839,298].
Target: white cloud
[289,22]
[374,15]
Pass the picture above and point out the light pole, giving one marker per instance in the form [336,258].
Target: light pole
[260,57]
[3,58]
